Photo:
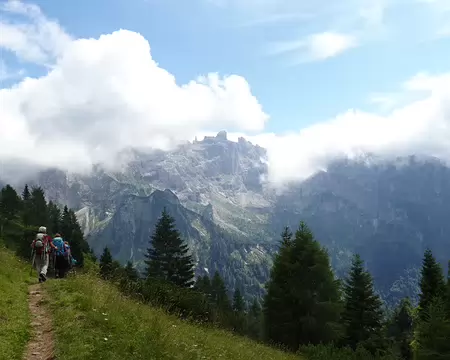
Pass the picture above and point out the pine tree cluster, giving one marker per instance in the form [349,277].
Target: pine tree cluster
[305,309]
[22,215]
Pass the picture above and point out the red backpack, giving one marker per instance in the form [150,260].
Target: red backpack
[40,244]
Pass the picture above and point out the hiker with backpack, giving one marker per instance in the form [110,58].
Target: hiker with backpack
[62,256]
[41,247]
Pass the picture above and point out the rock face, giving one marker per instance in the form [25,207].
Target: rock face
[389,212]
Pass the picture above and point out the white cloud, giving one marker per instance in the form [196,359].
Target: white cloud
[35,38]
[421,127]
[324,29]
[108,94]
[317,46]
[105,95]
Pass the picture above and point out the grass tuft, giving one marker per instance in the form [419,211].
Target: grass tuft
[14,313]
[94,321]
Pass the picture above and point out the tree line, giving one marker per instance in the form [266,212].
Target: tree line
[306,308]
[22,215]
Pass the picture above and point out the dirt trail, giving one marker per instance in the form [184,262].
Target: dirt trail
[41,346]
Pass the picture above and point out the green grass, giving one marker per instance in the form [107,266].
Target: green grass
[94,321]
[14,314]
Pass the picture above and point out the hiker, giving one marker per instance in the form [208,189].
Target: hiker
[41,247]
[72,261]
[62,254]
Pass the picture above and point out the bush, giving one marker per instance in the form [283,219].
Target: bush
[325,352]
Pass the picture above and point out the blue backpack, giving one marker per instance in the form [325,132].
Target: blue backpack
[60,246]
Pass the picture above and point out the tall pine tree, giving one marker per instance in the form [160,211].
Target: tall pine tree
[238,301]
[106,264]
[286,236]
[219,294]
[38,208]
[168,257]
[302,305]
[401,329]
[447,296]
[432,332]
[10,203]
[26,197]
[432,283]
[363,314]
[54,214]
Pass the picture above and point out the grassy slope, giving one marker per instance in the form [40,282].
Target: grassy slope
[94,321]
[14,314]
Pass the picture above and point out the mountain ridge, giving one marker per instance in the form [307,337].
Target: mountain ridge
[366,204]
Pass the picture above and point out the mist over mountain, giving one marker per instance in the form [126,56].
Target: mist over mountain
[389,211]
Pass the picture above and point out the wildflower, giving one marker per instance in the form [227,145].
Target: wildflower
[106,339]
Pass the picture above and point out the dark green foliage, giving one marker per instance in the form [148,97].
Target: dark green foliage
[32,211]
[203,285]
[38,208]
[130,272]
[26,213]
[432,333]
[10,204]
[286,236]
[400,329]
[55,218]
[448,291]
[328,352]
[238,301]
[363,315]
[168,257]
[106,264]
[254,321]
[219,294]
[432,283]
[302,304]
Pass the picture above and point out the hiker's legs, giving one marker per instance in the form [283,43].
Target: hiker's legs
[59,265]
[41,264]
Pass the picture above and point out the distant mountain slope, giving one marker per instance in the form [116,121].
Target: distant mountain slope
[128,230]
[389,211]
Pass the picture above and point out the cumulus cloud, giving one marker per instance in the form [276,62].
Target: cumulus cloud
[421,127]
[34,38]
[102,96]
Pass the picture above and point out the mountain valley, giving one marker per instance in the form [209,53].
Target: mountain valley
[388,211]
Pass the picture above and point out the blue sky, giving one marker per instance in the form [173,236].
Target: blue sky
[190,38]
[306,62]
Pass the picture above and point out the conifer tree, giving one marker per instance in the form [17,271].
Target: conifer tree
[432,283]
[286,236]
[168,257]
[26,197]
[362,313]
[448,291]
[302,305]
[238,301]
[10,203]
[401,328]
[432,332]
[66,224]
[106,264]
[130,272]
[203,285]
[54,218]
[38,208]
[219,294]
[254,317]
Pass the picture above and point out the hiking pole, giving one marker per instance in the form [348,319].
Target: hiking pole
[32,262]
